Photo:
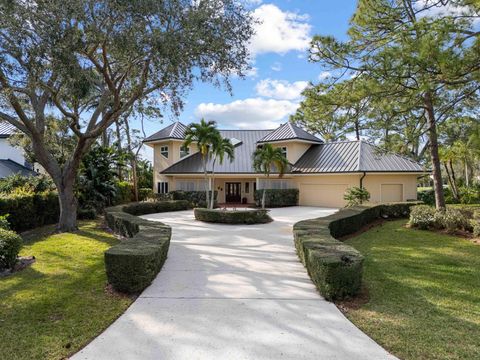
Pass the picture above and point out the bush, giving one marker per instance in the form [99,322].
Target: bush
[145,194]
[124,193]
[356,196]
[34,184]
[423,217]
[254,216]
[195,198]
[336,268]
[133,264]
[10,245]
[451,220]
[28,210]
[428,196]
[469,195]
[86,213]
[4,224]
[277,197]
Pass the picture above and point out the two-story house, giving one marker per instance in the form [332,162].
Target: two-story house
[322,172]
[12,159]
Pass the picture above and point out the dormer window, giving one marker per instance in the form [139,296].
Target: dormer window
[184,151]
[164,151]
[284,151]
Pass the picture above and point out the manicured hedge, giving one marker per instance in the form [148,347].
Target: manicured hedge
[10,245]
[336,268]
[254,216]
[195,198]
[277,197]
[28,211]
[133,264]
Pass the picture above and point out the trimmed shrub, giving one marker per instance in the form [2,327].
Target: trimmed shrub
[423,217]
[145,194]
[10,245]
[195,198]
[254,216]
[336,268]
[27,210]
[451,220]
[133,264]
[356,196]
[277,197]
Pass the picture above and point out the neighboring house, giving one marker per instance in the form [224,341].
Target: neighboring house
[12,159]
[321,171]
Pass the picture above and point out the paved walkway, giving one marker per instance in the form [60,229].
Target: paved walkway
[233,292]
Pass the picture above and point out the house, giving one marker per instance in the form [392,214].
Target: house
[12,159]
[322,172]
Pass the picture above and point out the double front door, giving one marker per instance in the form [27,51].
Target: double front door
[233,192]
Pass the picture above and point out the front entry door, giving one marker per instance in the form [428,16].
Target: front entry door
[232,192]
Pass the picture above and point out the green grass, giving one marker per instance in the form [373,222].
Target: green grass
[424,293]
[56,306]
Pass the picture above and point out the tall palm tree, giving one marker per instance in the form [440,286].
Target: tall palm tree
[204,135]
[264,158]
[221,147]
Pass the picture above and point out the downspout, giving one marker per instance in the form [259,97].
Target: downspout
[361,179]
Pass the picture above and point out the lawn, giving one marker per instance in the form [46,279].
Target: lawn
[424,293]
[55,307]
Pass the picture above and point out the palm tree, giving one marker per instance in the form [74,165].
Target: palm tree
[204,134]
[264,158]
[220,147]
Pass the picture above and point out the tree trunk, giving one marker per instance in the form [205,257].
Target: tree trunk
[467,182]
[435,158]
[207,198]
[212,193]
[68,204]
[119,149]
[451,181]
[263,198]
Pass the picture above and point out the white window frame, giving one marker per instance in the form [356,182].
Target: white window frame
[184,151]
[164,149]
[162,187]
[285,151]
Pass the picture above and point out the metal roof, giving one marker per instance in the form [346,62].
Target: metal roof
[288,131]
[173,131]
[242,162]
[352,156]
[9,167]
[6,129]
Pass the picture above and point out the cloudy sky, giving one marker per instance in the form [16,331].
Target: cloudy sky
[280,70]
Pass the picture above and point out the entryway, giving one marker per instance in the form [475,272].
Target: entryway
[233,192]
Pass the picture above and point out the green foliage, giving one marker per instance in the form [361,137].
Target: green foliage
[145,194]
[469,195]
[27,211]
[10,245]
[195,198]
[133,264]
[277,197]
[422,217]
[356,196]
[145,174]
[34,184]
[123,193]
[452,219]
[254,216]
[336,268]
[86,214]
[4,224]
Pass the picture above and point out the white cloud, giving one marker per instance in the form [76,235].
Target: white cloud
[434,8]
[324,75]
[253,2]
[279,31]
[276,66]
[281,89]
[252,72]
[252,113]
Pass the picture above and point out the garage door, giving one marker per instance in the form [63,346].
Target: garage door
[328,195]
[392,192]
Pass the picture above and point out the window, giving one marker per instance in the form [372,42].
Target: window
[186,185]
[284,151]
[247,187]
[164,151]
[184,151]
[254,186]
[162,187]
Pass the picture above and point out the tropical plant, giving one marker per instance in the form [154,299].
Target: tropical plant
[203,134]
[221,147]
[356,196]
[265,158]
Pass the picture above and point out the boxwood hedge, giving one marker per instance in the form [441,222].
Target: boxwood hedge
[336,268]
[253,216]
[133,264]
[277,197]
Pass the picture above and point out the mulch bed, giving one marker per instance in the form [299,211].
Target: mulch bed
[22,263]
[354,303]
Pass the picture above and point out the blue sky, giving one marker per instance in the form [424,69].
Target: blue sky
[280,69]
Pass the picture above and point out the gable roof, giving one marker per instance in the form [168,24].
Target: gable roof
[352,156]
[288,131]
[173,131]
[9,167]
[242,162]
[6,129]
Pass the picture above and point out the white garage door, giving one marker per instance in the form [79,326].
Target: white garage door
[392,192]
[328,195]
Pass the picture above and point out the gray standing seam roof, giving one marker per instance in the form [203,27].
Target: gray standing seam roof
[9,167]
[288,131]
[352,156]
[6,129]
[173,131]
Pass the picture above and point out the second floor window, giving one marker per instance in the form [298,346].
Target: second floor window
[184,151]
[164,151]
[284,151]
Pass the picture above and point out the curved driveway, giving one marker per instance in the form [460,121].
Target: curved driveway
[233,292]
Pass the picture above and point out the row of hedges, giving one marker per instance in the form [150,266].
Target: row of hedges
[468,195]
[277,197]
[195,198]
[254,216]
[336,268]
[29,210]
[133,264]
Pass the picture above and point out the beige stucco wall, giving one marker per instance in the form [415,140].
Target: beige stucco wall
[295,149]
[373,183]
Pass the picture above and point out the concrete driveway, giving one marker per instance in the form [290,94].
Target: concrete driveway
[233,292]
